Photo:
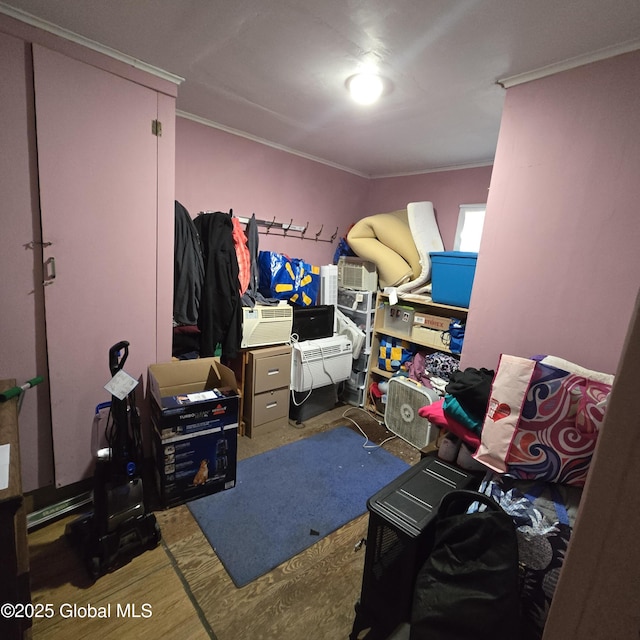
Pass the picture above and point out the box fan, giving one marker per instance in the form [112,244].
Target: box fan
[404,397]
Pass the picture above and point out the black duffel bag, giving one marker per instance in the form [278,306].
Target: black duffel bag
[468,588]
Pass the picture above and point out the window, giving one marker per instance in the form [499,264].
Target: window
[469,230]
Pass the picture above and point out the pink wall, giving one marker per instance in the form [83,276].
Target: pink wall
[446,189]
[216,170]
[219,171]
[559,263]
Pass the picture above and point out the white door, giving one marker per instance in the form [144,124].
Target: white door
[97,165]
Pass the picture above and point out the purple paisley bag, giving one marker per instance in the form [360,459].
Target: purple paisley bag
[542,422]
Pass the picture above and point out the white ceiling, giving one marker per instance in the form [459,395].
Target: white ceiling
[275,69]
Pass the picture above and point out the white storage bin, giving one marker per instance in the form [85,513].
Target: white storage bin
[362,362]
[362,319]
[356,300]
[353,395]
[358,378]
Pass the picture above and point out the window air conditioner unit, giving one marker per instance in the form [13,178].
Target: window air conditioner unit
[404,397]
[356,273]
[264,325]
[318,363]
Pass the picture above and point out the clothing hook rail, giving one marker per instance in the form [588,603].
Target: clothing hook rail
[287,229]
[269,225]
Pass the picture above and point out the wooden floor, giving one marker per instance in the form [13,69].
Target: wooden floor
[181,590]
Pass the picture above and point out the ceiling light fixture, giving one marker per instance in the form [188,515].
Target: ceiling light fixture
[365,88]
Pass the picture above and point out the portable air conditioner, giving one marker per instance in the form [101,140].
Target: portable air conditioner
[318,363]
[264,325]
[347,327]
[329,284]
[404,397]
[356,273]
[329,288]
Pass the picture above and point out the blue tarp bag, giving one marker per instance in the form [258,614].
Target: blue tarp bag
[290,279]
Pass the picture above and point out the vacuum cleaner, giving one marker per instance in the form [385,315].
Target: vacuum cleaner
[119,527]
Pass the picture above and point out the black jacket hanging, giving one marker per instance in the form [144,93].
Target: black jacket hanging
[252,242]
[220,316]
[188,274]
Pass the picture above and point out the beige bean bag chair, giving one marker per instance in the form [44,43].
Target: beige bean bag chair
[398,243]
[385,239]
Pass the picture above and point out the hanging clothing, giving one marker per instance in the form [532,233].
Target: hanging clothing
[253,246]
[252,296]
[188,269]
[220,317]
[242,254]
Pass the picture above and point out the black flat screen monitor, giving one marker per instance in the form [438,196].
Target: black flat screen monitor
[311,323]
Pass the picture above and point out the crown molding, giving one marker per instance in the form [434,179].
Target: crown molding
[279,147]
[54,29]
[565,65]
[268,143]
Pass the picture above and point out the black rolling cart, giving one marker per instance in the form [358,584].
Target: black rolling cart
[398,542]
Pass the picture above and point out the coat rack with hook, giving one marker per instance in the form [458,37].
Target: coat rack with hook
[287,228]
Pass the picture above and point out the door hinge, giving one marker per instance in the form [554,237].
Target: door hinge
[156,127]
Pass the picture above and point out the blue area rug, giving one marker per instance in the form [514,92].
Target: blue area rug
[287,499]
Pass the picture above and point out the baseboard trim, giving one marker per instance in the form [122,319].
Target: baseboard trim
[45,515]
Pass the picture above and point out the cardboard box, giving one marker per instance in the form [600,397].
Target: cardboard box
[188,396]
[429,321]
[452,274]
[431,338]
[195,428]
[194,465]
[398,318]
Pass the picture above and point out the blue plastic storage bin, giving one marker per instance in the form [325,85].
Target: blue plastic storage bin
[452,274]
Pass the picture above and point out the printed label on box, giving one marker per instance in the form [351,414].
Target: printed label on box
[212,394]
[203,463]
[430,321]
